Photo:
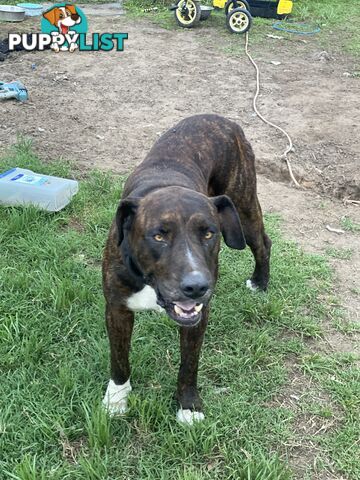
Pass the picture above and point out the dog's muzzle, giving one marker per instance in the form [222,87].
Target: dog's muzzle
[186,313]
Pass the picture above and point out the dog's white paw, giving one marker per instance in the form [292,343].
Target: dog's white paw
[251,286]
[55,47]
[73,47]
[189,417]
[115,399]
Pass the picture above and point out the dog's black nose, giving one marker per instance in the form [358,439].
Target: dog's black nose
[194,284]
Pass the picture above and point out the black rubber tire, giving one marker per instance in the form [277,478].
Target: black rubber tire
[238,11]
[194,21]
[239,4]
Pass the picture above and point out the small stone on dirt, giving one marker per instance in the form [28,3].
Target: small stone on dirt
[277,37]
[322,56]
[334,230]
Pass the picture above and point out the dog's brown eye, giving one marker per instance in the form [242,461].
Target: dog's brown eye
[208,235]
[158,237]
[61,16]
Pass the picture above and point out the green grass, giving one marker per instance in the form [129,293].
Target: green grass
[349,225]
[340,253]
[54,357]
[339,22]
[340,376]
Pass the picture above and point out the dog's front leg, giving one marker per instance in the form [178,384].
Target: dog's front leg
[119,323]
[191,339]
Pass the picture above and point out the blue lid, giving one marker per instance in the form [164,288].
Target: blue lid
[29,5]
[4,174]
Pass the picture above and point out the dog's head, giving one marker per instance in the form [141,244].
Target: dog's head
[63,17]
[172,238]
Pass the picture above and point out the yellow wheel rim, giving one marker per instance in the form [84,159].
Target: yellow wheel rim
[239,21]
[190,16]
[239,5]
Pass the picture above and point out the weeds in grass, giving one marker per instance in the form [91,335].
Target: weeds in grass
[349,225]
[341,253]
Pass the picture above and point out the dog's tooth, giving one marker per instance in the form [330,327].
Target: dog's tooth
[199,307]
[178,310]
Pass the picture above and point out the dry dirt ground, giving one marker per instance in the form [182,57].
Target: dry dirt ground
[105,110]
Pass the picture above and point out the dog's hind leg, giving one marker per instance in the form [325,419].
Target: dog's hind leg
[191,339]
[119,323]
[260,244]
[242,191]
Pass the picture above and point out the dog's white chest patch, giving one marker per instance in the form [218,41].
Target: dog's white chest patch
[144,300]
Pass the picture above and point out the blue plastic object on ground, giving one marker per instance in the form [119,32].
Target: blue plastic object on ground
[282,26]
[13,90]
[31,9]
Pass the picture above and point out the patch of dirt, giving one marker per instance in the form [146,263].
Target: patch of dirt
[306,215]
[303,450]
[71,450]
[105,110]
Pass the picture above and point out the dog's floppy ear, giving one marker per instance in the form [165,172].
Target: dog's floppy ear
[71,8]
[229,222]
[50,16]
[125,215]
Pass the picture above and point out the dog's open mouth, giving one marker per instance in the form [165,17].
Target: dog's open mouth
[186,313]
[64,29]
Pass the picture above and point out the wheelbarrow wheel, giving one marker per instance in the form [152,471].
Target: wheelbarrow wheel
[187,13]
[238,20]
[238,4]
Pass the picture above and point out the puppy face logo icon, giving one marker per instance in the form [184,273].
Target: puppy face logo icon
[63,17]
[64,22]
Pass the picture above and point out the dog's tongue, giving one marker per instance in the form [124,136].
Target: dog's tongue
[186,306]
[64,29]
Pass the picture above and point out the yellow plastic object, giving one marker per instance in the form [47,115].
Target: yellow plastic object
[284,7]
[219,3]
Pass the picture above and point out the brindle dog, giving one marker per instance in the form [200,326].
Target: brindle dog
[197,182]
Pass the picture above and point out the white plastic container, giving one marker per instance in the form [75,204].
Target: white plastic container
[24,187]
[9,13]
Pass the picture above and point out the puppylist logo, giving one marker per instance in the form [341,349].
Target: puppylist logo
[64,28]
[64,23]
